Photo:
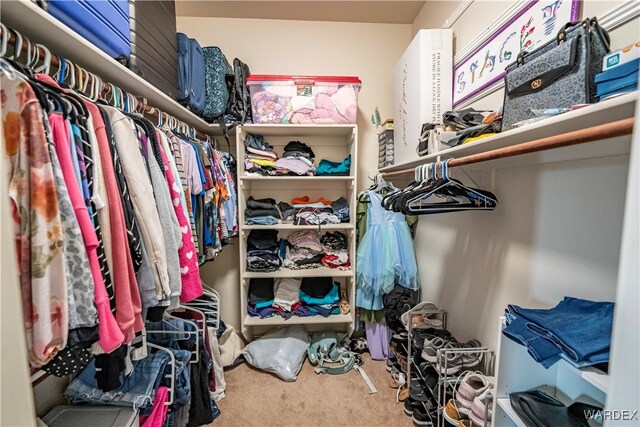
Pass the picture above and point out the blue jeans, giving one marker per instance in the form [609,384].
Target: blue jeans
[261,220]
[541,349]
[580,329]
[137,389]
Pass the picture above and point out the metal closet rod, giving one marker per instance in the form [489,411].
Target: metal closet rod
[40,54]
[590,134]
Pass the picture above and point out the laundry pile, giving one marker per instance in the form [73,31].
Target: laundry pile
[304,250]
[262,251]
[297,159]
[335,248]
[289,297]
[259,157]
[327,104]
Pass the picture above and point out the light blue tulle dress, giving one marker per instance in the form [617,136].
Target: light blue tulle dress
[385,256]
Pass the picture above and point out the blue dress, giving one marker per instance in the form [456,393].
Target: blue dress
[385,256]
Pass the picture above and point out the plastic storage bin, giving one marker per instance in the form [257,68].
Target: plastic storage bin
[304,99]
[94,416]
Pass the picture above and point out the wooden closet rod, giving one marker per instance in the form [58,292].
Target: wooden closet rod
[590,134]
[55,61]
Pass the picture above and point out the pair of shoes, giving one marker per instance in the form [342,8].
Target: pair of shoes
[410,405]
[472,400]
[391,362]
[433,344]
[420,335]
[398,379]
[451,362]
[422,417]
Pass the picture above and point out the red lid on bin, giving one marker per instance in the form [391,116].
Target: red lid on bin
[303,79]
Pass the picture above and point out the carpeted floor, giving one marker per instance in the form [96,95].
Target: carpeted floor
[256,398]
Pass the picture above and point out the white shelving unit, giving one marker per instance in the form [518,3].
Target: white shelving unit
[331,142]
[517,371]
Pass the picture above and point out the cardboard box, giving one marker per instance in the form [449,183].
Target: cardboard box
[621,56]
[422,88]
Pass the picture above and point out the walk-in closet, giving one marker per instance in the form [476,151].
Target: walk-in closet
[284,213]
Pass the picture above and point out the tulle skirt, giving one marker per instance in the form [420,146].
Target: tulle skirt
[385,257]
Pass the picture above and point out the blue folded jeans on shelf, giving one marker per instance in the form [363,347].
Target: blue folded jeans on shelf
[137,389]
[580,329]
[541,349]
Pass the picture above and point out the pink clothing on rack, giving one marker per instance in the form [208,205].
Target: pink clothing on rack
[111,336]
[125,283]
[159,412]
[189,270]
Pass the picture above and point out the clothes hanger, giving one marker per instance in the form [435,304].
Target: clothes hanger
[46,62]
[420,174]
[172,374]
[454,196]
[4,42]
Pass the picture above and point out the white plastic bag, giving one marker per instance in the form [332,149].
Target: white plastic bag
[281,351]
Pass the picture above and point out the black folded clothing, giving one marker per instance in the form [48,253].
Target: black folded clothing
[536,408]
[286,210]
[315,259]
[262,239]
[253,213]
[316,287]
[334,240]
[261,290]
[260,203]
[298,147]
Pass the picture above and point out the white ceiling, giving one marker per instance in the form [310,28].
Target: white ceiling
[393,12]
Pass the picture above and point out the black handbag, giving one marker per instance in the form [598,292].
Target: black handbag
[559,74]
[538,409]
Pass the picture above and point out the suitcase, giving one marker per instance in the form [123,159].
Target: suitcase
[191,82]
[103,23]
[154,52]
[217,70]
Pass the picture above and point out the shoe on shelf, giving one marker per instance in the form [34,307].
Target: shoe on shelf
[422,417]
[391,361]
[421,394]
[448,363]
[470,387]
[408,406]
[402,393]
[431,347]
[452,414]
[471,359]
[481,410]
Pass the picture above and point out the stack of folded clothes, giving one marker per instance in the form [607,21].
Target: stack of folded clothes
[297,159]
[261,212]
[289,297]
[329,168]
[259,157]
[262,251]
[304,250]
[341,209]
[320,295]
[334,246]
[315,213]
[261,293]
[576,330]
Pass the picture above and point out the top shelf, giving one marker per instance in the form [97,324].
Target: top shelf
[607,111]
[40,27]
[299,130]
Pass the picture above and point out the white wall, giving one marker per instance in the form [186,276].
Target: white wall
[368,51]
[557,228]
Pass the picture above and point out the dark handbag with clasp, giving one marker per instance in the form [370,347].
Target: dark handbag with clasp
[559,74]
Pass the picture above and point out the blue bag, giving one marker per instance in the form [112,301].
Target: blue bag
[103,23]
[191,82]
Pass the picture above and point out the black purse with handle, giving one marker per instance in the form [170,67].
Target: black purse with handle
[559,74]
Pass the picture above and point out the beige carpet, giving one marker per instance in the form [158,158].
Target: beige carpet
[256,398]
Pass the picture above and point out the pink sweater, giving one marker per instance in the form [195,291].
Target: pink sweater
[189,269]
[110,335]
[128,301]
